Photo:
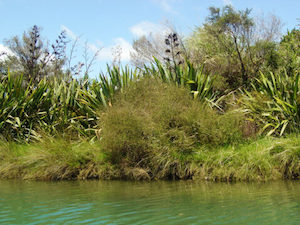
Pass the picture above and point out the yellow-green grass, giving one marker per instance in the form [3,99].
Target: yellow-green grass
[260,160]
[264,159]
[53,159]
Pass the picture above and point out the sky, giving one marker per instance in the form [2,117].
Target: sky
[106,25]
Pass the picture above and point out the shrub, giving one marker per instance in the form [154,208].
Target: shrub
[154,124]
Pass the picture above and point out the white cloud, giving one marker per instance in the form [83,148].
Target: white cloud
[93,47]
[145,28]
[227,2]
[166,5]
[69,32]
[106,53]
[6,50]
[100,43]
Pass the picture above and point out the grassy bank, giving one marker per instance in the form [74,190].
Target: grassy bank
[225,107]
[264,159]
[156,130]
[147,125]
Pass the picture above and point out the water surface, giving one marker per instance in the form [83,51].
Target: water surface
[116,202]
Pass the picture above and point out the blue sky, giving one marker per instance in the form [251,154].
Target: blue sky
[105,24]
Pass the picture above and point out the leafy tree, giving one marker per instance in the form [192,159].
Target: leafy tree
[236,26]
[229,44]
[32,57]
[289,50]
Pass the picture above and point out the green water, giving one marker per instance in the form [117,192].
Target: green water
[115,202]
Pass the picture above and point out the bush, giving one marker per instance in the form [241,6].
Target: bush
[152,124]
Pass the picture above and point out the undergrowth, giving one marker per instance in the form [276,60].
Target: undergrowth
[155,130]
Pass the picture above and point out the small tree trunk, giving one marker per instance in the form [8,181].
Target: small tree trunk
[243,70]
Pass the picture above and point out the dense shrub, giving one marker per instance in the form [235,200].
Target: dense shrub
[152,124]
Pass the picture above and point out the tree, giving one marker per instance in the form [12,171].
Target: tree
[32,57]
[145,48]
[231,45]
[162,46]
[289,51]
[268,28]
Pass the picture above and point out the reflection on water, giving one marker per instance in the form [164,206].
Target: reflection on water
[117,202]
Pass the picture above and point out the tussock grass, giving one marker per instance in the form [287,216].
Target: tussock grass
[268,158]
[260,160]
[64,106]
[53,159]
[156,127]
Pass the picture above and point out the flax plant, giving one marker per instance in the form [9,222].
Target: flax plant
[199,84]
[63,106]
[274,103]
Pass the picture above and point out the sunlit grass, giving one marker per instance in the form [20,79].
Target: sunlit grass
[264,159]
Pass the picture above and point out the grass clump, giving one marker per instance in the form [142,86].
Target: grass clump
[156,127]
[264,159]
[54,159]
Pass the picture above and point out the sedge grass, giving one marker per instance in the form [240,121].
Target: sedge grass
[264,159]
[53,159]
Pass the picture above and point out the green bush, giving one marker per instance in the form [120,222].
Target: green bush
[154,124]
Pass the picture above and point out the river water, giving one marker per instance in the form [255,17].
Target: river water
[120,202]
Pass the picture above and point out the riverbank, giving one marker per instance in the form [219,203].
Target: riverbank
[263,159]
[156,131]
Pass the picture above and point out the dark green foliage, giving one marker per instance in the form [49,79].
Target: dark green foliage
[187,75]
[231,44]
[56,106]
[60,106]
[228,34]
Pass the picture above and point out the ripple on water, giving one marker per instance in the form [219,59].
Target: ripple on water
[97,202]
